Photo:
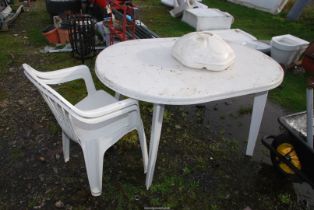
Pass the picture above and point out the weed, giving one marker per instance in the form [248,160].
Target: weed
[53,128]
[214,207]
[284,198]
[244,111]
[16,154]
[186,170]
[131,138]
[3,95]
[167,116]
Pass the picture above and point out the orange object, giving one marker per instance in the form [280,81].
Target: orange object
[63,35]
[51,34]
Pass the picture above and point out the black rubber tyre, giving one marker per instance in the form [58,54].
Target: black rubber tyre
[56,7]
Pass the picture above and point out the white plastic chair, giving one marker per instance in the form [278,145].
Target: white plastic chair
[96,122]
[181,5]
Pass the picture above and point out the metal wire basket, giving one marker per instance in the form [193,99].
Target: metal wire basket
[82,36]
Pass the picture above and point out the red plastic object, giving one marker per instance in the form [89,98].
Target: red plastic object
[308,59]
[51,34]
[125,25]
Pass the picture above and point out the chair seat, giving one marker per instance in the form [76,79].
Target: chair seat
[97,100]
[93,101]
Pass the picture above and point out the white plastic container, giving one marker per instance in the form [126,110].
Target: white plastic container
[172,3]
[168,3]
[203,19]
[271,6]
[286,49]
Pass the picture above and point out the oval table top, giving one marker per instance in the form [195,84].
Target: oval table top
[145,70]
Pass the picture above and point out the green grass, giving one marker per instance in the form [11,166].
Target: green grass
[264,25]
[244,111]
[260,24]
[292,92]
[10,47]
[40,22]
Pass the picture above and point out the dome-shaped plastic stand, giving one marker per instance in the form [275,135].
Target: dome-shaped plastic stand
[203,50]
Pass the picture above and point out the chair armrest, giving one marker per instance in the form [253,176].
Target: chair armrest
[109,109]
[108,116]
[66,75]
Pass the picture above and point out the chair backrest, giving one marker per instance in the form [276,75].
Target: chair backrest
[60,107]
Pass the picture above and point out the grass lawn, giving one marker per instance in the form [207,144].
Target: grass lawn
[260,24]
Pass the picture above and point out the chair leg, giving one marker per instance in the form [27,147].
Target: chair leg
[66,147]
[142,137]
[94,159]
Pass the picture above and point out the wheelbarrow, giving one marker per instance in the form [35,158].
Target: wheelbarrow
[292,152]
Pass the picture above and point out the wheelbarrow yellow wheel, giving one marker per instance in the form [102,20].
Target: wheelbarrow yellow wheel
[283,146]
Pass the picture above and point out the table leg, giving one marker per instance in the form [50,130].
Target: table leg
[256,119]
[158,114]
[309,116]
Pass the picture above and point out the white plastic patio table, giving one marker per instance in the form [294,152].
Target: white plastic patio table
[146,71]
